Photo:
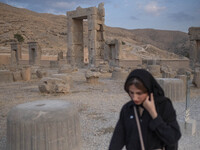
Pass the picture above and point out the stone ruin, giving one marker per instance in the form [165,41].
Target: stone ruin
[194,36]
[76,45]
[16,53]
[42,125]
[34,53]
[92,76]
[112,52]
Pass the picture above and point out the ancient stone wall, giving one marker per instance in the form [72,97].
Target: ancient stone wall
[16,53]
[95,18]
[112,51]
[34,53]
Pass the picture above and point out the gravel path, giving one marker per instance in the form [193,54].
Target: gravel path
[98,106]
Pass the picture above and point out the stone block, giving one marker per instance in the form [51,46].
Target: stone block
[119,74]
[66,77]
[44,125]
[173,88]
[41,73]
[6,76]
[53,85]
[92,77]
[17,76]
[26,73]
[54,64]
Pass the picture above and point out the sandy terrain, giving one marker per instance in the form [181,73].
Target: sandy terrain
[98,106]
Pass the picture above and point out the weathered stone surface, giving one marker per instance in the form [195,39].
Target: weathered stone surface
[67,69]
[194,35]
[196,79]
[43,125]
[184,79]
[104,67]
[92,77]
[155,70]
[17,76]
[171,74]
[16,53]
[6,76]
[26,73]
[66,77]
[41,73]
[54,64]
[173,88]
[34,53]
[119,74]
[95,19]
[53,85]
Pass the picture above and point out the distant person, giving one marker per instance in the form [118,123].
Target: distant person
[157,127]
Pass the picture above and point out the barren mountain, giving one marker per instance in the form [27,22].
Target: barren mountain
[50,31]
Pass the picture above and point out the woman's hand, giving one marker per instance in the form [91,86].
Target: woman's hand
[149,105]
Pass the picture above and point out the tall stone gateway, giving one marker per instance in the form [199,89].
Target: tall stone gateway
[95,18]
[44,125]
[34,53]
[194,35]
[16,53]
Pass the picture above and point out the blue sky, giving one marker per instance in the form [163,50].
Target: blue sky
[130,14]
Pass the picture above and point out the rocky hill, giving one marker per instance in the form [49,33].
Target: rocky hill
[50,31]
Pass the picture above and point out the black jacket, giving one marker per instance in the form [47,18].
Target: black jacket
[161,131]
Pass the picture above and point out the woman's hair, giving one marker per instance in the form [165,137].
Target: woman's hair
[137,83]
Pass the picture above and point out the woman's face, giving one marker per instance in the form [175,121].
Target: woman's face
[137,95]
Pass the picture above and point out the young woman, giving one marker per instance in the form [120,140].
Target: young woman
[157,117]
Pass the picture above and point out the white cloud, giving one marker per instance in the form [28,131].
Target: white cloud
[153,8]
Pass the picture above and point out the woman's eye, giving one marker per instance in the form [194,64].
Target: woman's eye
[139,93]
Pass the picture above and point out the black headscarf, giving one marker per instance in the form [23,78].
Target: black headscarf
[148,80]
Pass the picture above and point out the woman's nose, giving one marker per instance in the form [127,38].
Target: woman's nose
[134,97]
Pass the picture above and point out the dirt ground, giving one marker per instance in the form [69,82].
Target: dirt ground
[98,105]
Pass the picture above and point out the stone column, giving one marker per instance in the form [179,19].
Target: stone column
[43,125]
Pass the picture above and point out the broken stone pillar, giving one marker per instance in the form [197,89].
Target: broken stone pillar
[6,76]
[34,53]
[173,88]
[43,125]
[26,73]
[16,53]
[92,77]
[119,74]
[194,36]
